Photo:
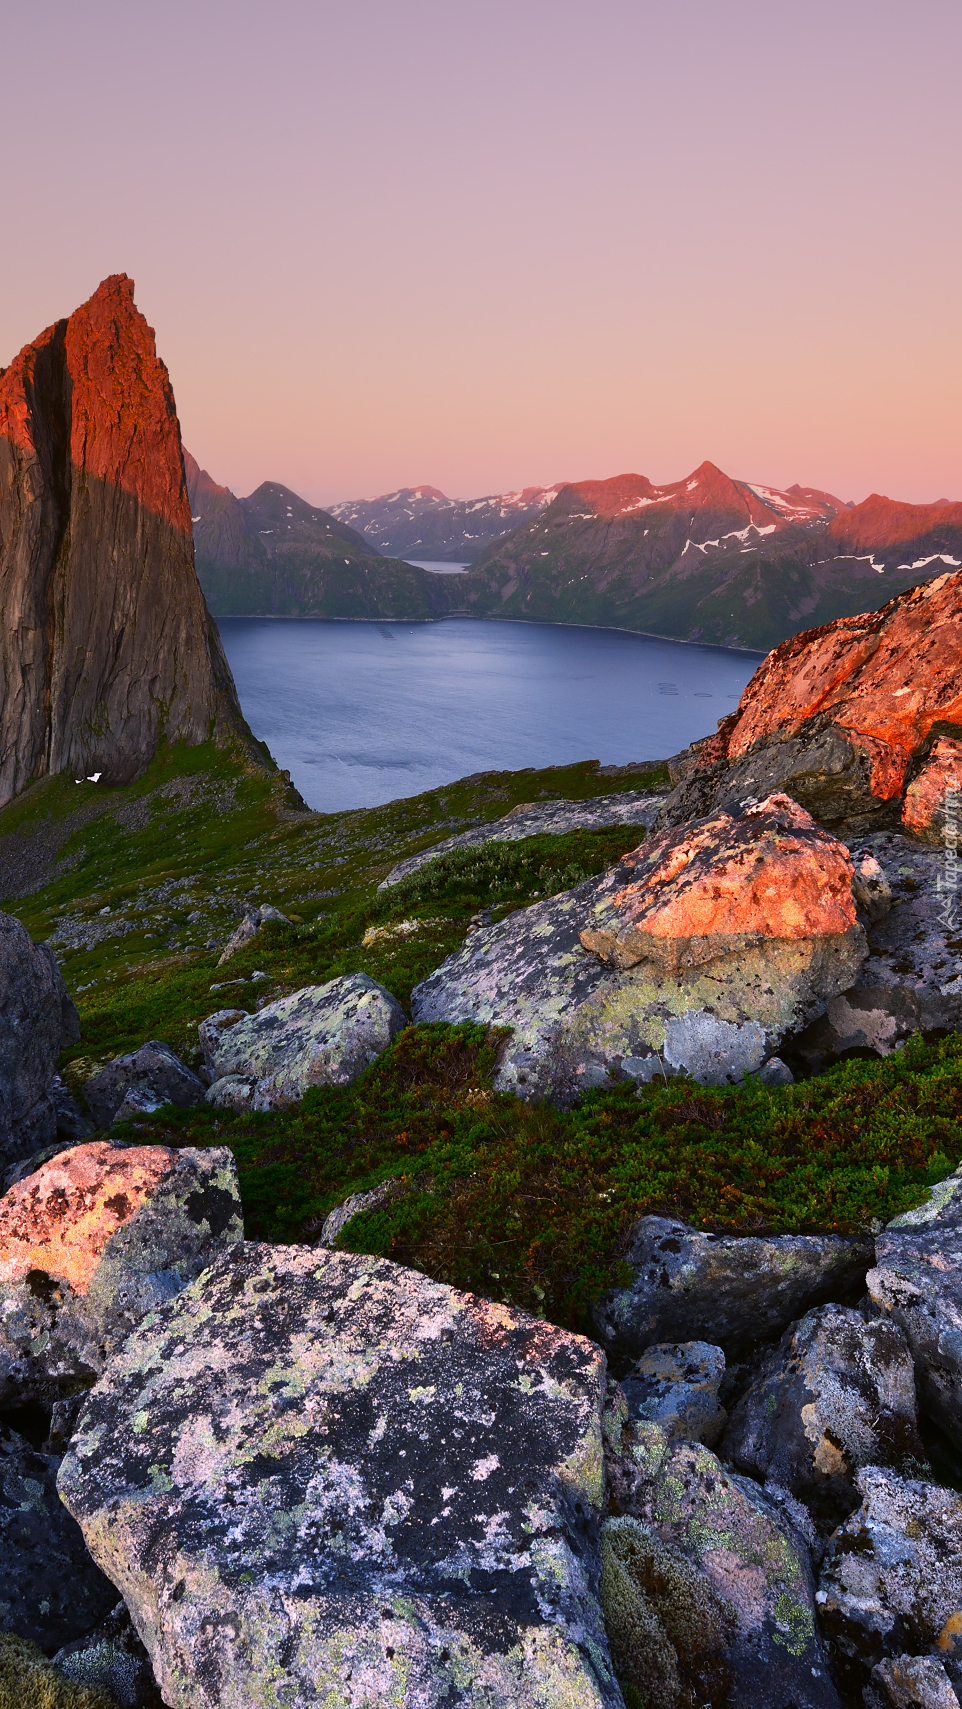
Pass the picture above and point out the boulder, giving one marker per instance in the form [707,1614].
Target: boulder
[699,952]
[676,1384]
[72,1124]
[316,1477]
[707,1592]
[934,791]
[733,1290]
[50,1589]
[891,1580]
[839,716]
[912,1682]
[911,980]
[837,1394]
[324,1035]
[917,1284]
[140,1083]
[342,1214]
[91,1242]
[37,1020]
[249,928]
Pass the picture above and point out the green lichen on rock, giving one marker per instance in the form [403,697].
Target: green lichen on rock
[668,1630]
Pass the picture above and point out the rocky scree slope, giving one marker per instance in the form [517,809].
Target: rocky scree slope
[108,648]
[707,558]
[274,555]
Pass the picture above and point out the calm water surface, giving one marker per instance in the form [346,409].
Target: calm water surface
[361,713]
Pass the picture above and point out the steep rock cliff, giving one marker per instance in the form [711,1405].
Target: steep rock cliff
[107,644]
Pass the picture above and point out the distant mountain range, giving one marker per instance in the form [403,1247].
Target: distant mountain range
[706,558]
[420,522]
[275,555]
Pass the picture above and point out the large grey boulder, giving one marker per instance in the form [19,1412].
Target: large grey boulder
[318,1478]
[891,1580]
[140,1083]
[917,1283]
[93,1240]
[676,1385]
[707,1591]
[837,1394]
[729,1289]
[38,1019]
[50,1589]
[698,953]
[323,1035]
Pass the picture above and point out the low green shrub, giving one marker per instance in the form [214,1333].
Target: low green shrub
[524,1203]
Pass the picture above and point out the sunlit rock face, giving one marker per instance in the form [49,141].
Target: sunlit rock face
[107,644]
[699,952]
[842,718]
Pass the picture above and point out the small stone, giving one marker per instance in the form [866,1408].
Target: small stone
[338,1219]
[249,928]
[775,1072]
[676,1384]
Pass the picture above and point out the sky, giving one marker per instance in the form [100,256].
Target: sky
[488,244]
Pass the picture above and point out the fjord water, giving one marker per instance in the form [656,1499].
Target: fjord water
[361,713]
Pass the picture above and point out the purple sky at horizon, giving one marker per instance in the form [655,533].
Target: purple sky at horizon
[499,245]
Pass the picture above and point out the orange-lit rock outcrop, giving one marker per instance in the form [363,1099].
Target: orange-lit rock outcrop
[107,643]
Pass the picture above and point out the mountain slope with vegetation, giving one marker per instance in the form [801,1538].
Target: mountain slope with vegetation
[274,555]
[709,559]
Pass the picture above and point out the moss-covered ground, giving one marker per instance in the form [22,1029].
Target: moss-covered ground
[140,887]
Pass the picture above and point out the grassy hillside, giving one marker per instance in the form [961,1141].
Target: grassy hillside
[139,887]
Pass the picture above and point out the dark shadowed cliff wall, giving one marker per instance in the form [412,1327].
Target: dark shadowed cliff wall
[107,646]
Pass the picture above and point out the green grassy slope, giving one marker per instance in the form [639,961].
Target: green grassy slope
[519,1202]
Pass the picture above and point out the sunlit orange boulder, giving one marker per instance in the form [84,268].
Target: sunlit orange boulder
[725,884]
[935,795]
[90,1242]
[838,717]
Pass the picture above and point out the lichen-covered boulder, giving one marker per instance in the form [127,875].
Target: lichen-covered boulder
[891,1580]
[324,1035]
[699,952]
[90,1242]
[318,1478]
[140,1083]
[917,1284]
[37,1020]
[837,1393]
[676,1384]
[707,1590]
[911,1682]
[729,1289]
[50,1589]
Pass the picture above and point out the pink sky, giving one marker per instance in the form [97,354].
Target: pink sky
[493,243]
